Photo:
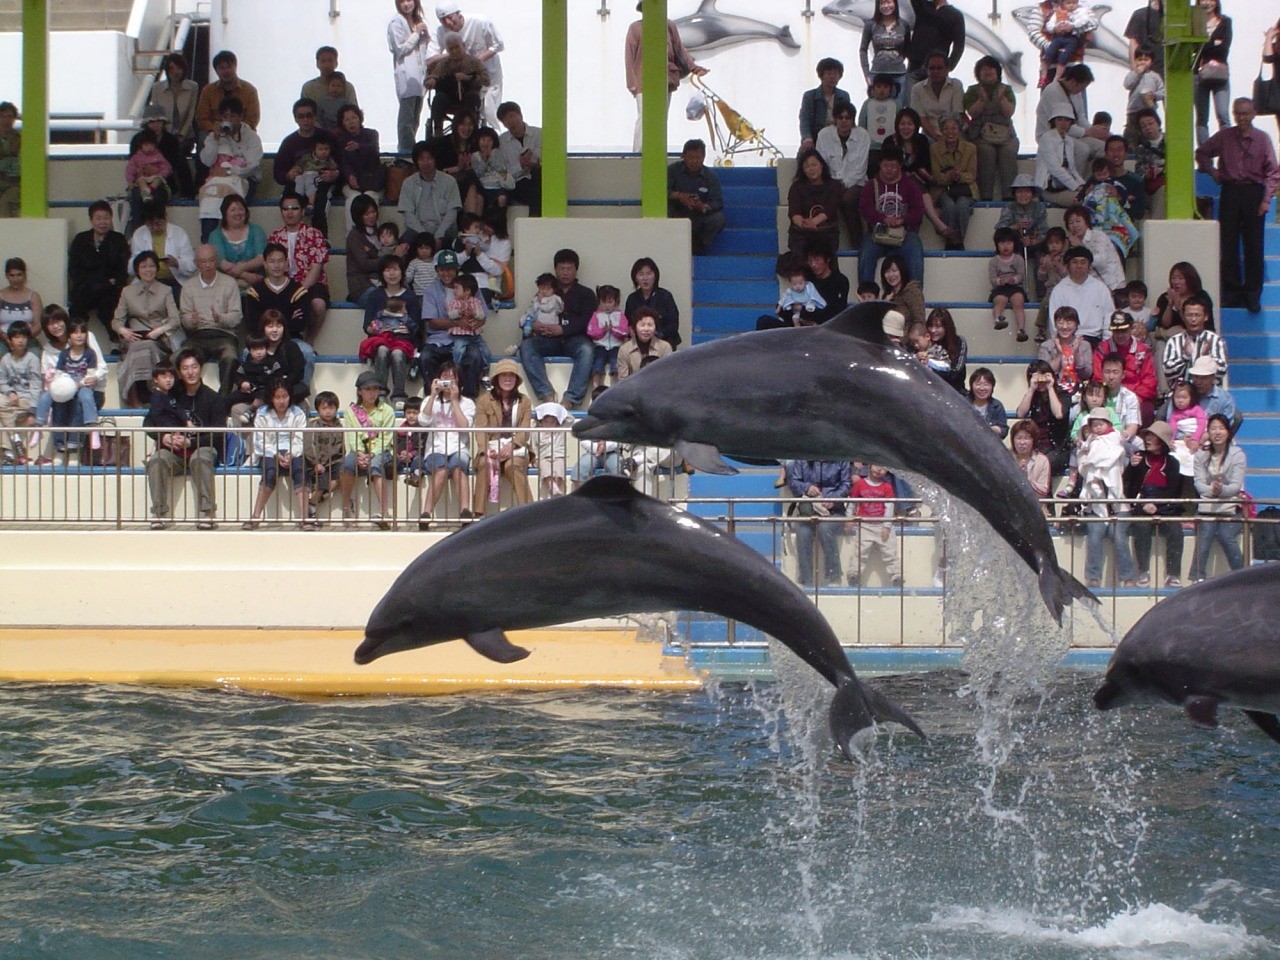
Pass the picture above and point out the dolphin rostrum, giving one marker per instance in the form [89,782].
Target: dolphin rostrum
[1217,642]
[838,391]
[709,29]
[610,551]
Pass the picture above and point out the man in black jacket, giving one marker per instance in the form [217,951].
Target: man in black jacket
[182,452]
[939,28]
[97,267]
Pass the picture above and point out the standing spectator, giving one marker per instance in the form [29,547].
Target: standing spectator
[649,292]
[954,163]
[1152,475]
[1083,291]
[18,302]
[227,86]
[1139,362]
[939,95]
[429,199]
[815,484]
[481,40]
[177,97]
[813,204]
[680,64]
[1249,176]
[317,87]
[568,339]
[1048,406]
[166,240]
[1146,29]
[239,243]
[893,207]
[1192,342]
[939,27]
[291,160]
[1271,55]
[1146,89]
[145,321]
[874,528]
[989,105]
[1220,470]
[982,385]
[1101,463]
[183,450]
[408,39]
[846,149]
[521,144]
[693,192]
[97,267]
[1068,98]
[1212,76]
[308,252]
[877,117]
[887,36]
[10,163]
[818,106]
[210,312]
[1069,355]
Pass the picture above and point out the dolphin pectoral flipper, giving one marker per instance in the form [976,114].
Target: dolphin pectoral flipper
[1268,723]
[704,458]
[495,645]
[1202,710]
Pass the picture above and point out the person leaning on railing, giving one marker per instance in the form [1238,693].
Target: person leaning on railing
[1153,474]
[1220,468]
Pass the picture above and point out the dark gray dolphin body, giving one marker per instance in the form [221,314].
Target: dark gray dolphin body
[613,551]
[838,391]
[1217,642]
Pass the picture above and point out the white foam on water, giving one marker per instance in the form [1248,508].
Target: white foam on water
[1154,931]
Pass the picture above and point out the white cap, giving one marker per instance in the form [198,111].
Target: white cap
[447,10]
[550,410]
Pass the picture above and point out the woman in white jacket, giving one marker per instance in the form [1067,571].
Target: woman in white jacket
[277,445]
[407,38]
[1220,468]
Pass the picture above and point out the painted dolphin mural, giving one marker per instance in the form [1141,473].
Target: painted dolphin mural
[1104,44]
[1214,643]
[857,13]
[709,29]
[612,551]
[838,391]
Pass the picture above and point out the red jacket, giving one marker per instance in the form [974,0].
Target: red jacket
[1139,367]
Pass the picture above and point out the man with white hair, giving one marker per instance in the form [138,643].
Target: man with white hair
[481,39]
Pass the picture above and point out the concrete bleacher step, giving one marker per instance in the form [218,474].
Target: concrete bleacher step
[746,240]
[1251,373]
[734,267]
[1260,427]
[737,291]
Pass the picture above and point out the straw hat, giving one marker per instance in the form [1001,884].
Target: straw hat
[1160,429]
[508,366]
[1099,413]
[1203,367]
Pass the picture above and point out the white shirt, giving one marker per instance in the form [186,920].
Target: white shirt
[847,160]
[1091,299]
[478,35]
[1056,158]
[512,148]
[439,417]
[176,244]
[948,103]
[1055,101]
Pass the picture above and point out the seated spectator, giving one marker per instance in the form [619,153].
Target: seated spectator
[1135,296]
[1083,291]
[359,159]
[1139,363]
[87,369]
[1028,217]
[291,161]
[1007,274]
[846,149]
[484,251]
[502,452]
[437,344]
[325,449]
[56,326]
[145,322]
[181,448]
[1066,28]
[453,153]
[549,449]
[874,527]
[1024,437]
[1101,198]
[1069,355]
[989,106]
[813,204]
[1184,281]
[1126,183]
[1101,463]
[276,291]
[800,300]
[954,163]
[1047,406]
[816,484]
[1152,475]
[818,106]
[285,359]
[233,155]
[1051,268]
[521,144]
[447,458]
[693,192]
[210,313]
[942,333]
[1220,470]
[467,316]
[900,287]
[1194,341]
[327,65]
[1056,174]
[278,447]
[1093,396]
[568,339]
[644,345]
[1188,421]
[893,207]
[18,302]
[648,292]
[308,252]
[1105,263]
[370,444]
[1211,396]
[97,267]
[429,199]
[21,383]
[363,251]
[490,167]
[228,84]
[1120,398]
[249,383]
[174,98]
[831,284]
[458,79]
[1066,98]
[239,243]
[170,244]
[146,175]
[870,290]
[1148,160]
[982,386]
[937,96]
[392,316]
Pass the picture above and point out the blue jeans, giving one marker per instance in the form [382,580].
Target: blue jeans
[532,357]
[911,251]
[472,358]
[828,539]
[76,412]
[271,471]
[1225,532]
[606,358]
[1096,532]
[308,360]
[1221,96]
[589,464]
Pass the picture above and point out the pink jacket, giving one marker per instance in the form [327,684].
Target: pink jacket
[609,330]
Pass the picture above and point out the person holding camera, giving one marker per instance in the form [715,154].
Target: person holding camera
[233,148]
[1048,406]
[445,457]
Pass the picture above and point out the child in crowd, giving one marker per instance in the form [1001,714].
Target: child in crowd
[421,272]
[1146,89]
[1135,298]
[410,443]
[609,330]
[20,384]
[1103,196]
[801,299]
[447,461]
[370,444]
[874,529]
[278,446]
[1101,461]
[1027,216]
[1092,397]
[147,170]
[932,355]
[545,307]
[330,105]
[549,449]
[1187,420]
[467,311]
[868,290]
[597,456]
[1067,28]
[250,380]
[1103,119]
[324,449]
[877,117]
[79,362]
[389,342]
[490,167]
[388,239]
[318,160]
[1007,272]
[1050,270]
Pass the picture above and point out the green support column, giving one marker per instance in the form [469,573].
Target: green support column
[653,82]
[33,156]
[555,108]
[1183,38]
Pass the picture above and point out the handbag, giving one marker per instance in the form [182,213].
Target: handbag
[113,449]
[887,236]
[1266,95]
[995,134]
[397,174]
[1212,71]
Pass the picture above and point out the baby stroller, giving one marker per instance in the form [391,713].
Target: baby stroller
[738,136]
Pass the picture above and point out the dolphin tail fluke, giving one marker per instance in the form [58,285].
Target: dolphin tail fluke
[1059,588]
[1013,68]
[495,645]
[885,710]
[856,707]
[1268,723]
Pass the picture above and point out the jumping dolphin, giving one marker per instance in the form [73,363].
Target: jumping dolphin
[612,551]
[838,391]
[857,13]
[709,29]
[1217,642]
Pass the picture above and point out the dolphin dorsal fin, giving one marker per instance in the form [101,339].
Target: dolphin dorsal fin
[863,320]
[607,487]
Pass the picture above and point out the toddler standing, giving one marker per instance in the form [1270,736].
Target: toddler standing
[549,449]
[874,530]
[609,330]
[421,272]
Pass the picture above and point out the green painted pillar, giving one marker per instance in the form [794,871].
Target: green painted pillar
[34,155]
[653,155]
[555,108]
[1183,38]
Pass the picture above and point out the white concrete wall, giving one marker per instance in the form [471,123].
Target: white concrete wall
[74,58]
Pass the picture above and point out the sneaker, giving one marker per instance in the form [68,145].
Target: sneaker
[1022,336]
[1172,582]
[1001,324]
[1143,580]
[159,524]
[379,521]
